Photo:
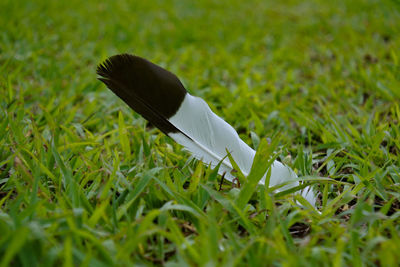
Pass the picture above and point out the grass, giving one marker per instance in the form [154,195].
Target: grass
[84,181]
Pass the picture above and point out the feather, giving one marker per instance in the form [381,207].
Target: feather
[160,97]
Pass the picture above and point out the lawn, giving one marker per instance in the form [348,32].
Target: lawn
[86,181]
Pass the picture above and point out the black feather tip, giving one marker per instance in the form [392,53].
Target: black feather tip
[150,90]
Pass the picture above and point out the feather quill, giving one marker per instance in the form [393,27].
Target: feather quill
[160,97]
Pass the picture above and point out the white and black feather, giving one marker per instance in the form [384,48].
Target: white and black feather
[160,97]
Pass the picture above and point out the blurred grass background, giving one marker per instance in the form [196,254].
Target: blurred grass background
[84,182]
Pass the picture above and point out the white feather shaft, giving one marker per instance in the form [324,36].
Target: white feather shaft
[210,137]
